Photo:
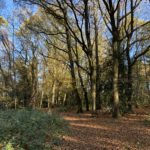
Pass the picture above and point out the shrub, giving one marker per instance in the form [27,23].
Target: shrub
[147,121]
[65,108]
[30,129]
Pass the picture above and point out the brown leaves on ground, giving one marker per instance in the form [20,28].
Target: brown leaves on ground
[106,133]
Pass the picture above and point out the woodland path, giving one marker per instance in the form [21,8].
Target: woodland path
[105,133]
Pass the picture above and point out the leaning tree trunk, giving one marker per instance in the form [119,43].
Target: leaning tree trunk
[72,69]
[86,99]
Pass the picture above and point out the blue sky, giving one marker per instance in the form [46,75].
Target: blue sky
[7,10]
[144,9]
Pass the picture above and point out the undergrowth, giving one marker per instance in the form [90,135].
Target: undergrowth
[30,130]
[147,121]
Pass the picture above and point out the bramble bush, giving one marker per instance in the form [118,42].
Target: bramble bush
[30,129]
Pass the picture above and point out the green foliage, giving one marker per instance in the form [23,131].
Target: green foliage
[65,108]
[9,146]
[147,121]
[30,129]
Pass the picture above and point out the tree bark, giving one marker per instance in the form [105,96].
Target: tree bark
[53,94]
[98,100]
[90,56]
[115,113]
[72,70]
[129,93]
[64,99]
[84,91]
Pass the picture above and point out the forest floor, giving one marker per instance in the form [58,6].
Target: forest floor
[105,133]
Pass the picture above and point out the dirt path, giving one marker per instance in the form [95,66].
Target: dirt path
[105,133]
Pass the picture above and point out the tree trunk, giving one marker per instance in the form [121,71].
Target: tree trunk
[98,100]
[41,100]
[64,99]
[90,56]
[86,99]
[115,81]
[74,85]
[93,89]
[129,89]
[129,79]
[49,103]
[53,94]
[72,70]
[84,89]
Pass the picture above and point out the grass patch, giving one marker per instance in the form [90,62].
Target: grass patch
[30,129]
